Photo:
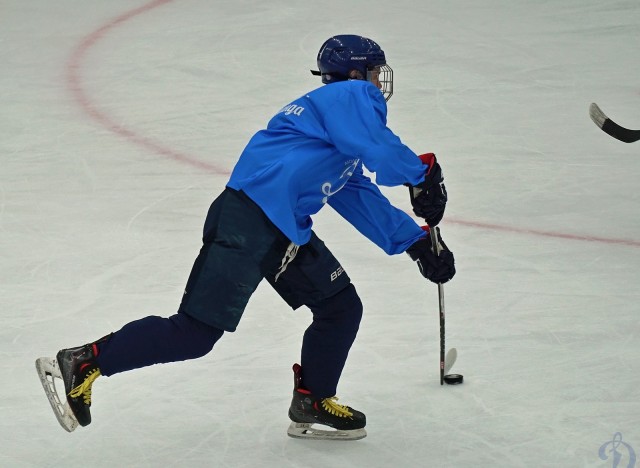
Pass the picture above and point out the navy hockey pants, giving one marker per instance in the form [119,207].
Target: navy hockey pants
[240,248]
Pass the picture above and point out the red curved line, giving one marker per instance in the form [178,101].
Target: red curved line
[74,83]
[541,233]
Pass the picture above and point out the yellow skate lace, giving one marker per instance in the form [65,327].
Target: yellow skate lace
[330,405]
[84,388]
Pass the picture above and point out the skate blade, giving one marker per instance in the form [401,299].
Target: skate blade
[307,431]
[48,370]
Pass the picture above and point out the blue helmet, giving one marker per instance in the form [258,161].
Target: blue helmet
[348,56]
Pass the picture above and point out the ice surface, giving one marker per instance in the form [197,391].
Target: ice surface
[119,123]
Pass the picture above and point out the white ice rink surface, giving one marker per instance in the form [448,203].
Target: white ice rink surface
[120,122]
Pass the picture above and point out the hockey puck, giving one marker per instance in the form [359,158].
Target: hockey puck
[453,379]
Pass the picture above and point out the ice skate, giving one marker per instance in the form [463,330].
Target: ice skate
[308,412]
[76,369]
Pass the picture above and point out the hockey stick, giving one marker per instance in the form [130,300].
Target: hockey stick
[446,362]
[610,127]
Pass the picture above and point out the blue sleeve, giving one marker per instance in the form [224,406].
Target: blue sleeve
[362,204]
[364,134]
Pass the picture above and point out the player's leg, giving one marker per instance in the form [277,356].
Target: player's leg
[316,279]
[328,339]
[141,343]
[225,274]
[155,340]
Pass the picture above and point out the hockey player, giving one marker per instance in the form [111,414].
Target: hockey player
[311,154]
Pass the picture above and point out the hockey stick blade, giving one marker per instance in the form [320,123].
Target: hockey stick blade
[609,126]
[450,359]
[48,371]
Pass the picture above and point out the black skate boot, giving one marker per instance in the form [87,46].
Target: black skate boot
[306,410]
[79,369]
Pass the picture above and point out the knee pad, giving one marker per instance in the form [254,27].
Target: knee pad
[344,308]
[201,336]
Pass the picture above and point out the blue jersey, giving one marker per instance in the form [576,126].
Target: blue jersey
[312,153]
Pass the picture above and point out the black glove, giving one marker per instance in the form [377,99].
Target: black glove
[436,268]
[429,197]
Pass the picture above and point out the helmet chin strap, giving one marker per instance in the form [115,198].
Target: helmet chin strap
[332,76]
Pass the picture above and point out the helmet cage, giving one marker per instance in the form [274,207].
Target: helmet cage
[382,77]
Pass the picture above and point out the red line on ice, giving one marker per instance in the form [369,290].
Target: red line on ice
[74,82]
[542,233]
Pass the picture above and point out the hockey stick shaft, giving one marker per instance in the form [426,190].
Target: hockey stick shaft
[610,127]
[435,243]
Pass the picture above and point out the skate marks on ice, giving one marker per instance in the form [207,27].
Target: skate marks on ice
[48,371]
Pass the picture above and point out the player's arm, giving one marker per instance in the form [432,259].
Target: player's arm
[359,128]
[362,204]
[355,122]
